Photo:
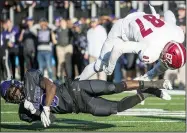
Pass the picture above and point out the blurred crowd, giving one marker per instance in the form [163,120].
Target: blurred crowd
[67,45]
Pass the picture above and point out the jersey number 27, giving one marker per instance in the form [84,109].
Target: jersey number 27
[153,20]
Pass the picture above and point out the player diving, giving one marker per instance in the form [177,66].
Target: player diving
[39,98]
[146,35]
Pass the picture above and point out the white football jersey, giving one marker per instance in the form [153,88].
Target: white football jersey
[150,31]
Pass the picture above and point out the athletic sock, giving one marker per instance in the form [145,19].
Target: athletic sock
[152,84]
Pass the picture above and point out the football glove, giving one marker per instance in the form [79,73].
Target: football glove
[29,106]
[45,116]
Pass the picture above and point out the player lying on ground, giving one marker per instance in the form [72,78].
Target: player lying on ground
[146,35]
[38,96]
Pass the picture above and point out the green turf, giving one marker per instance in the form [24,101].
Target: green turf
[85,122]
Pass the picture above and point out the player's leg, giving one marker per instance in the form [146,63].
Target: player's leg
[99,87]
[97,66]
[102,107]
[157,70]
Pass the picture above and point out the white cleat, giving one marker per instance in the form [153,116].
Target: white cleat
[167,85]
[165,95]
[142,102]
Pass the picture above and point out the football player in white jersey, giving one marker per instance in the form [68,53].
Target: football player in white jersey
[146,35]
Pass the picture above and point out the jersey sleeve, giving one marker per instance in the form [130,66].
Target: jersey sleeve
[25,115]
[32,82]
[34,75]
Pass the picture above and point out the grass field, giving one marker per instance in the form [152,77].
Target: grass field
[155,115]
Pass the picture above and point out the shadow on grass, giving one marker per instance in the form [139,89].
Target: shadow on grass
[72,124]
[164,117]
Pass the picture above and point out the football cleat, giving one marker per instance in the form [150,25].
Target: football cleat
[158,93]
[165,96]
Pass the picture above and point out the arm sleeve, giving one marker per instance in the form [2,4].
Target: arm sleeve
[32,82]
[157,70]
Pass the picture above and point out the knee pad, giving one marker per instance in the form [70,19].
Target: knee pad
[104,111]
[102,107]
[101,112]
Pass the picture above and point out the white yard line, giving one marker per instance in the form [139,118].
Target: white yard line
[9,112]
[175,104]
[9,104]
[74,122]
[146,103]
[162,115]
[171,92]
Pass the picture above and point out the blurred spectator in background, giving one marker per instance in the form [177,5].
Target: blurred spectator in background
[11,35]
[79,42]
[4,68]
[96,37]
[57,21]
[57,24]
[28,40]
[45,38]
[106,23]
[84,26]
[64,50]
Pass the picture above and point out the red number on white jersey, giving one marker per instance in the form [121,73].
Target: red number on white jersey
[169,58]
[153,20]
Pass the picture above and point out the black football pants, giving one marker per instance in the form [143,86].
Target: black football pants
[87,95]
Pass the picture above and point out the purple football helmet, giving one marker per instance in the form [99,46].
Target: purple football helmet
[6,85]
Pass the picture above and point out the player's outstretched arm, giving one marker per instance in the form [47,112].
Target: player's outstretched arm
[50,89]
[157,70]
